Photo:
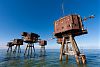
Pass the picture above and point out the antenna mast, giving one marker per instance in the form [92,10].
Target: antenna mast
[62,8]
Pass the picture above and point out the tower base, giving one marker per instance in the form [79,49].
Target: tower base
[69,47]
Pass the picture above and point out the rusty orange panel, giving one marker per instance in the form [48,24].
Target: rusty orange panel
[42,42]
[67,23]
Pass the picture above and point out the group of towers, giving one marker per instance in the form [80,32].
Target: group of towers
[30,39]
[65,30]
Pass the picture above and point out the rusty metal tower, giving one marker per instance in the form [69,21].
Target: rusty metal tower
[42,44]
[65,29]
[9,44]
[30,39]
[17,43]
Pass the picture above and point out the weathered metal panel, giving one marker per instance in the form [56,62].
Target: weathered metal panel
[30,37]
[67,23]
[17,42]
[42,42]
[9,44]
[76,22]
[59,40]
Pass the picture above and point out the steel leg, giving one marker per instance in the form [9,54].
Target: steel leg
[33,48]
[67,52]
[15,49]
[74,48]
[61,49]
[8,49]
[29,50]
[26,49]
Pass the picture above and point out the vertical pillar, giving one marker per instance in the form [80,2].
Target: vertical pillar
[18,48]
[67,52]
[26,49]
[8,49]
[29,49]
[33,48]
[42,50]
[61,49]
[83,59]
[11,48]
[74,48]
[15,49]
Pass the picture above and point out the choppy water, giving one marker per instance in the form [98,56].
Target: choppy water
[50,60]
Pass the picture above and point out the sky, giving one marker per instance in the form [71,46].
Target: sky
[38,16]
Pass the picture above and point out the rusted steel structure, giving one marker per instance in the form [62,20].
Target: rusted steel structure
[9,44]
[65,29]
[42,43]
[30,39]
[17,43]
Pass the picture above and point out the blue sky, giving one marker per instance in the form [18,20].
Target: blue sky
[38,16]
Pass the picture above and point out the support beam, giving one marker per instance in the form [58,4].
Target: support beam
[29,49]
[76,47]
[26,49]
[17,48]
[61,49]
[8,49]
[83,58]
[66,52]
[42,50]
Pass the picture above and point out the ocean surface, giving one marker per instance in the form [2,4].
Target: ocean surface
[51,59]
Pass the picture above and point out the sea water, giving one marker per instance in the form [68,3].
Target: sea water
[51,59]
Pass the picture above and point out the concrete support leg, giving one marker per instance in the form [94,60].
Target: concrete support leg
[11,49]
[74,48]
[29,49]
[15,49]
[33,48]
[61,49]
[20,48]
[83,59]
[8,49]
[26,49]
[44,50]
[67,52]
[77,59]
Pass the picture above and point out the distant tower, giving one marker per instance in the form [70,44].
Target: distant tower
[17,43]
[30,38]
[65,29]
[9,44]
[42,43]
